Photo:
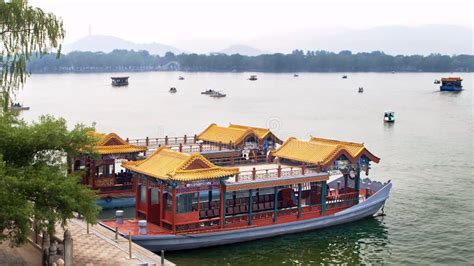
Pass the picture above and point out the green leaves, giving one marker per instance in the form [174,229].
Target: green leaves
[34,181]
[24,31]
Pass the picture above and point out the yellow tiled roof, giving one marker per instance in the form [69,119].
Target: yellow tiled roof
[114,144]
[305,151]
[355,149]
[167,164]
[233,133]
[320,151]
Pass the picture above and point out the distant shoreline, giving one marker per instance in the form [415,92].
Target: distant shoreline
[243,72]
[297,62]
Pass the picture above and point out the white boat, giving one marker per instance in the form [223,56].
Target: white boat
[217,94]
[208,92]
[19,107]
[389,116]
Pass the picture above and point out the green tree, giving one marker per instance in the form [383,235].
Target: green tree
[34,157]
[34,184]
[24,32]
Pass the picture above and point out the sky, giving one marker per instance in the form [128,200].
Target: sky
[218,23]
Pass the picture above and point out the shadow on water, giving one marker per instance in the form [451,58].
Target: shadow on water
[366,241]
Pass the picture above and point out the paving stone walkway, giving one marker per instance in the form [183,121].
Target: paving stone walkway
[100,248]
[25,255]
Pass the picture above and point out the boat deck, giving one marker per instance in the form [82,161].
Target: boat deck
[335,204]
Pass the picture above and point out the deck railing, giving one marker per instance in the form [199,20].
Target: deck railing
[256,174]
[163,141]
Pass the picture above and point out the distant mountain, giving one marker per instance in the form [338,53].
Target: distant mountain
[104,43]
[242,50]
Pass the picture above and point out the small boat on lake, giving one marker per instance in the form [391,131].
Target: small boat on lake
[208,92]
[19,107]
[389,116]
[119,81]
[253,77]
[197,200]
[296,75]
[173,90]
[451,84]
[218,94]
[437,81]
[361,89]
[181,78]
[344,76]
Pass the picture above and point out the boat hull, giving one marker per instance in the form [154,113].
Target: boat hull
[192,241]
[450,88]
[113,203]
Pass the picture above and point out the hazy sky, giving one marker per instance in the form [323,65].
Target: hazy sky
[217,23]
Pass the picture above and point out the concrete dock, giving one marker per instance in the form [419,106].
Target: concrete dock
[99,247]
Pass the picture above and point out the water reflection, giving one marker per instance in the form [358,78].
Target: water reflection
[362,242]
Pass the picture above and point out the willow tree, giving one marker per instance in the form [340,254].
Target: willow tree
[25,31]
[34,181]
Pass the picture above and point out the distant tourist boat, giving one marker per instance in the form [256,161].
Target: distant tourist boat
[361,89]
[436,81]
[253,77]
[389,116]
[451,84]
[208,92]
[119,81]
[173,90]
[295,75]
[181,78]
[188,201]
[217,94]
[344,76]
[19,107]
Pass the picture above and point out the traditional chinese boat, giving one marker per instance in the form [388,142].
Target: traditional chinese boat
[451,84]
[119,81]
[187,201]
[114,184]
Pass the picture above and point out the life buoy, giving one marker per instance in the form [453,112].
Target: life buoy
[108,199]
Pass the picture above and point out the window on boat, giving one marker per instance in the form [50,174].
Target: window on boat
[168,200]
[155,195]
[186,202]
[142,193]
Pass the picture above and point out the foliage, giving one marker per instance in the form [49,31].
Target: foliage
[34,181]
[24,31]
[297,61]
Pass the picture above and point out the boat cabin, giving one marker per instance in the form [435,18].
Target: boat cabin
[451,84]
[186,193]
[104,173]
[236,144]
[119,81]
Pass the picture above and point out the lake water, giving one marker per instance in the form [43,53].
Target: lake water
[427,153]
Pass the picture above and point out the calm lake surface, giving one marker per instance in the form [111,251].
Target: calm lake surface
[427,153]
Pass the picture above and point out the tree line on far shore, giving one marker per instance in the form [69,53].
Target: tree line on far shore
[297,61]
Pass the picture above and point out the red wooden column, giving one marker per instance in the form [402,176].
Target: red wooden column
[173,210]
[137,194]
[222,205]
[162,203]
[148,199]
